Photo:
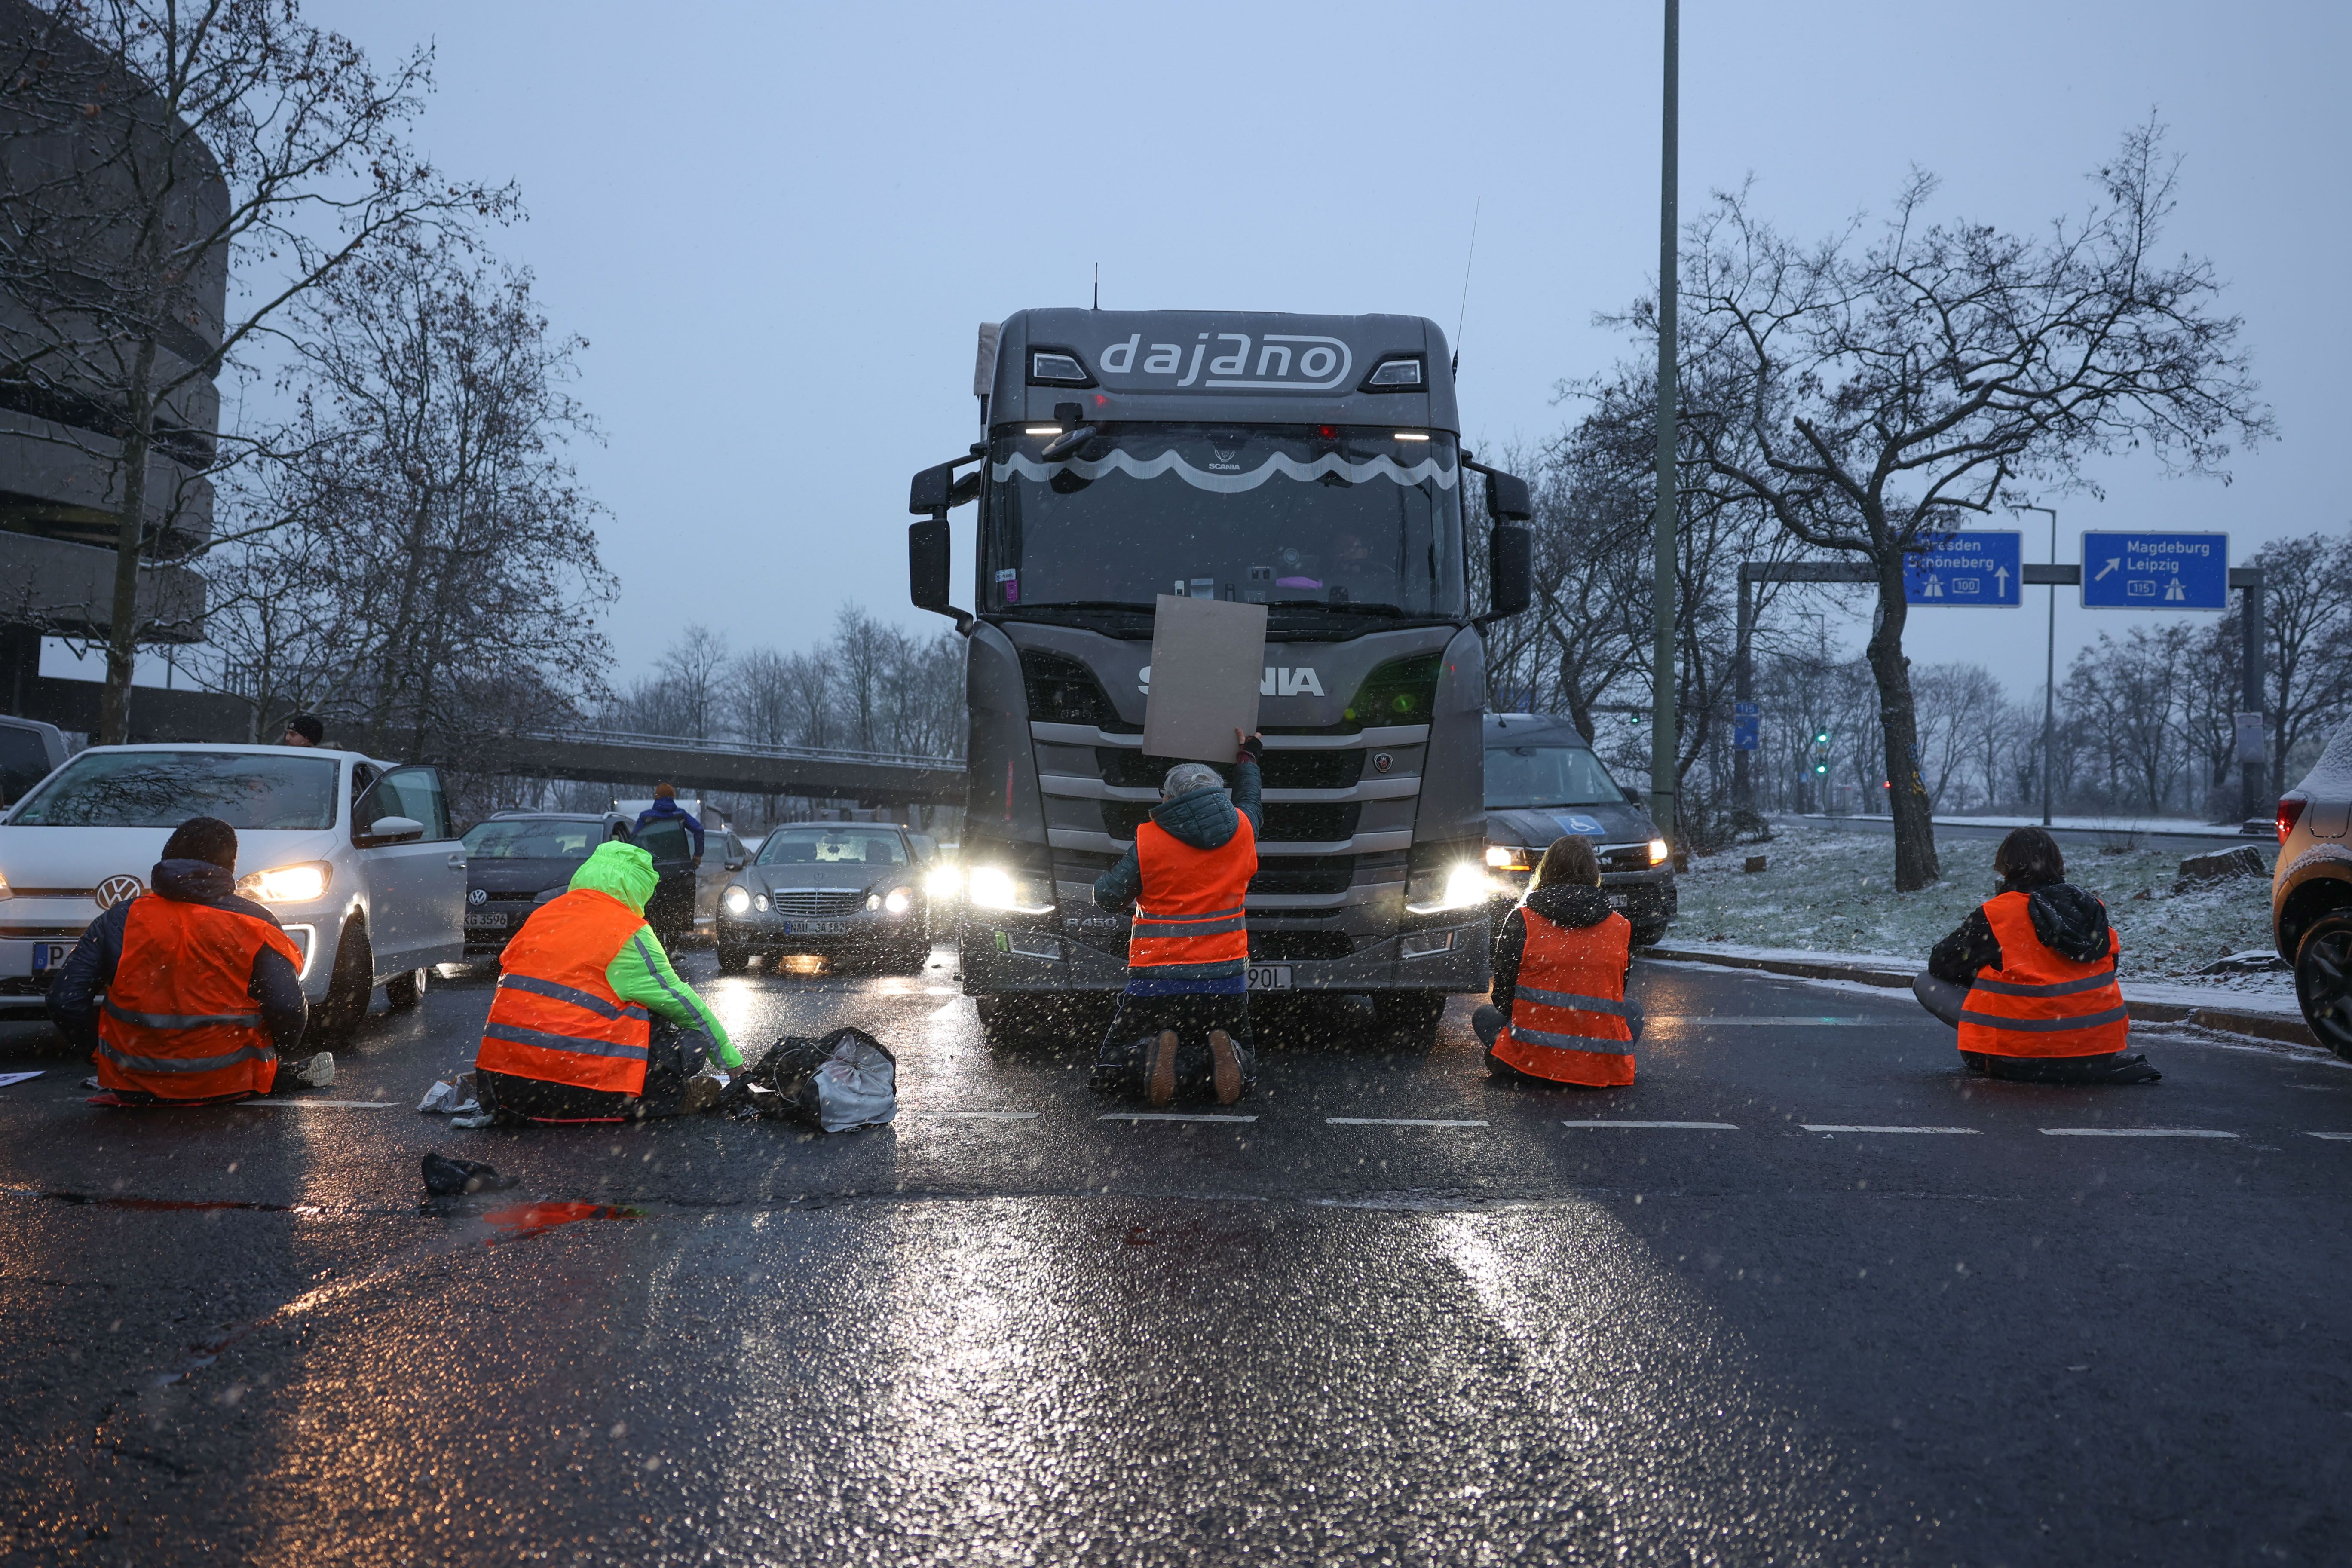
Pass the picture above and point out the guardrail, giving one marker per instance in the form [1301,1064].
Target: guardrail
[736,748]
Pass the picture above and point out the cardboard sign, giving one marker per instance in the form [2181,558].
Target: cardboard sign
[1208,659]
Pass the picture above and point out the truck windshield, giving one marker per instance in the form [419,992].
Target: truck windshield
[1279,515]
[1521,776]
[164,789]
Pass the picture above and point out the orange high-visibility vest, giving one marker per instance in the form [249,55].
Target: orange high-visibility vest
[2038,1003]
[556,1018]
[180,1021]
[1568,1010]
[1192,907]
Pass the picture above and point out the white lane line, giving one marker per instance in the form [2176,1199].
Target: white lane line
[976,1115]
[2331,1137]
[1828,1127]
[1787,1019]
[1701,1126]
[322,1104]
[1394,1122]
[1166,1116]
[2134,1132]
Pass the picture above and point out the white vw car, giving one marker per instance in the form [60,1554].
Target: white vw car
[354,856]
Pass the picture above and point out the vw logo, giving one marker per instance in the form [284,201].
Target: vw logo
[1382,761]
[478,896]
[118,890]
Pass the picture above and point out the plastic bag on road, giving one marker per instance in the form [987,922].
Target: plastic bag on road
[452,1097]
[844,1081]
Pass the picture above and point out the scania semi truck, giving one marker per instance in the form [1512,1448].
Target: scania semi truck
[1311,464]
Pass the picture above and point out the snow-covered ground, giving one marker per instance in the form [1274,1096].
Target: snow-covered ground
[2169,826]
[1827,891]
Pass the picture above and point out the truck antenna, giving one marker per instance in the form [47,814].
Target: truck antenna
[1456,368]
[1097,285]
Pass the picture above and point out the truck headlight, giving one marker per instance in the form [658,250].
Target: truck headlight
[944,881]
[1658,850]
[897,901]
[287,884]
[1464,888]
[994,888]
[738,900]
[1499,857]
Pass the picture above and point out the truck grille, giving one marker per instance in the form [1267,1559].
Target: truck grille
[817,903]
[1278,770]
[1285,822]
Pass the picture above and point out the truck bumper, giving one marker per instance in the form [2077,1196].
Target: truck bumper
[1006,961]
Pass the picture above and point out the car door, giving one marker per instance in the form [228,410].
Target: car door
[417,888]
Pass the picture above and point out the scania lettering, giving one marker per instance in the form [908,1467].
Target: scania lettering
[1311,464]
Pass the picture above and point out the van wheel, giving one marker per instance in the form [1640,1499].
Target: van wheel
[2322,980]
[348,988]
[407,990]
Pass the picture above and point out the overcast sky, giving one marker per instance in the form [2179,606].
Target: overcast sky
[778,226]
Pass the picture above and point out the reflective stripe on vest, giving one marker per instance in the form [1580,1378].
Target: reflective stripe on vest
[2040,1003]
[179,1020]
[555,1016]
[1191,910]
[1568,1009]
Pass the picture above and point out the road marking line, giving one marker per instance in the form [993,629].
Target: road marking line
[978,1115]
[1394,1122]
[1701,1126]
[320,1104]
[1827,1127]
[1790,1019]
[2134,1132]
[2331,1137]
[1166,1116]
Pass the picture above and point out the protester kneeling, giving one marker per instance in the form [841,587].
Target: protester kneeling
[1559,1012]
[590,1021]
[203,991]
[2028,978]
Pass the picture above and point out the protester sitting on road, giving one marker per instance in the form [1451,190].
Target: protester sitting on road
[203,990]
[2028,978]
[1183,1021]
[666,808]
[303,730]
[1558,1013]
[590,1023]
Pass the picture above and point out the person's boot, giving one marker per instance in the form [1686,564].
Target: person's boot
[1160,1086]
[310,1072]
[1226,1066]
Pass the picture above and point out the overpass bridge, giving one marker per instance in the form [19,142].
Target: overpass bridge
[597,756]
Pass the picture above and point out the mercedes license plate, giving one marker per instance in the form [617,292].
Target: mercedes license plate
[1269,977]
[48,955]
[816,928]
[495,919]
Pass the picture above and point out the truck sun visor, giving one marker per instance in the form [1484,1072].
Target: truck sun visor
[1376,468]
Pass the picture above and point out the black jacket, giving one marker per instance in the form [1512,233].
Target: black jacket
[2071,922]
[1563,905]
[74,994]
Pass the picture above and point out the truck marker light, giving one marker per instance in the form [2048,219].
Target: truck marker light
[1411,436]
[1043,430]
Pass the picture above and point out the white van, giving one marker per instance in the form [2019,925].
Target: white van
[356,858]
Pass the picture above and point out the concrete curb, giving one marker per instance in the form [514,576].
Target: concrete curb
[2285,1028]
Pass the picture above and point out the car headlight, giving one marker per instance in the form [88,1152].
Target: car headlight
[287,884]
[1466,887]
[944,881]
[738,900]
[898,900]
[1658,850]
[994,888]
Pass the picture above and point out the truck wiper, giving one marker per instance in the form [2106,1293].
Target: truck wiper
[1351,608]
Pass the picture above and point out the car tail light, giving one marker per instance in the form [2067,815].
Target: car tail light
[2290,812]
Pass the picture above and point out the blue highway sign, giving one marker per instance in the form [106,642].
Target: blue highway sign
[1745,718]
[1967,570]
[2156,570]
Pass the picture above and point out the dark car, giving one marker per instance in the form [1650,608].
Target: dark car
[845,891]
[1544,783]
[670,911]
[2311,892]
[516,861]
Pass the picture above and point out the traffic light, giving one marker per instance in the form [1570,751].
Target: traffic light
[1820,751]
[1821,738]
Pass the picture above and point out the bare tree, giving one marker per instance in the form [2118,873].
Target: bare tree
[695,676]
[2307,629]
[1895,387]
[1955,703]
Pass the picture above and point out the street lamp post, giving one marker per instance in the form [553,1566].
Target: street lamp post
[1664,806]
[2048,667]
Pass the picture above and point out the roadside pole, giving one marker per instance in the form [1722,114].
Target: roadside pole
[2048,667]
[1664,742]
[2257,792]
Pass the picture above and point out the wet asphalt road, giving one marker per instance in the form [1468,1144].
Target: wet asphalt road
[1007,1331]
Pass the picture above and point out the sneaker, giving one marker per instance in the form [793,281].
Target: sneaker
[1161,1087]
[313,1072]
[1225,1069]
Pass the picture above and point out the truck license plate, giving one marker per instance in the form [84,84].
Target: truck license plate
[1269,977]
[48,955]
[816,928]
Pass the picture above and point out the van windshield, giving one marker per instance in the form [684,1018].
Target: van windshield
[1334,517]
[164,789]
[1522,776]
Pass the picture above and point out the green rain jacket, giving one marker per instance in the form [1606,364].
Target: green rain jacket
[640,972]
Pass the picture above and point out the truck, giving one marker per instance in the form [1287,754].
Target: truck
[1312,464]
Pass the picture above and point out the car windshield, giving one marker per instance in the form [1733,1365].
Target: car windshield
[164,789]
[1290,516]
[532,838]
[832,847]
[1521,777]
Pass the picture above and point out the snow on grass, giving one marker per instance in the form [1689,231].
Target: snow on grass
[1827,891]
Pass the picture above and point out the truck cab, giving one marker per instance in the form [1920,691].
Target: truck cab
[1310,464]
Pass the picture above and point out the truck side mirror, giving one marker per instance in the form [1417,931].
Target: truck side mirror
[928,568]
[933,491]
[1507,498]
[1510,564]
